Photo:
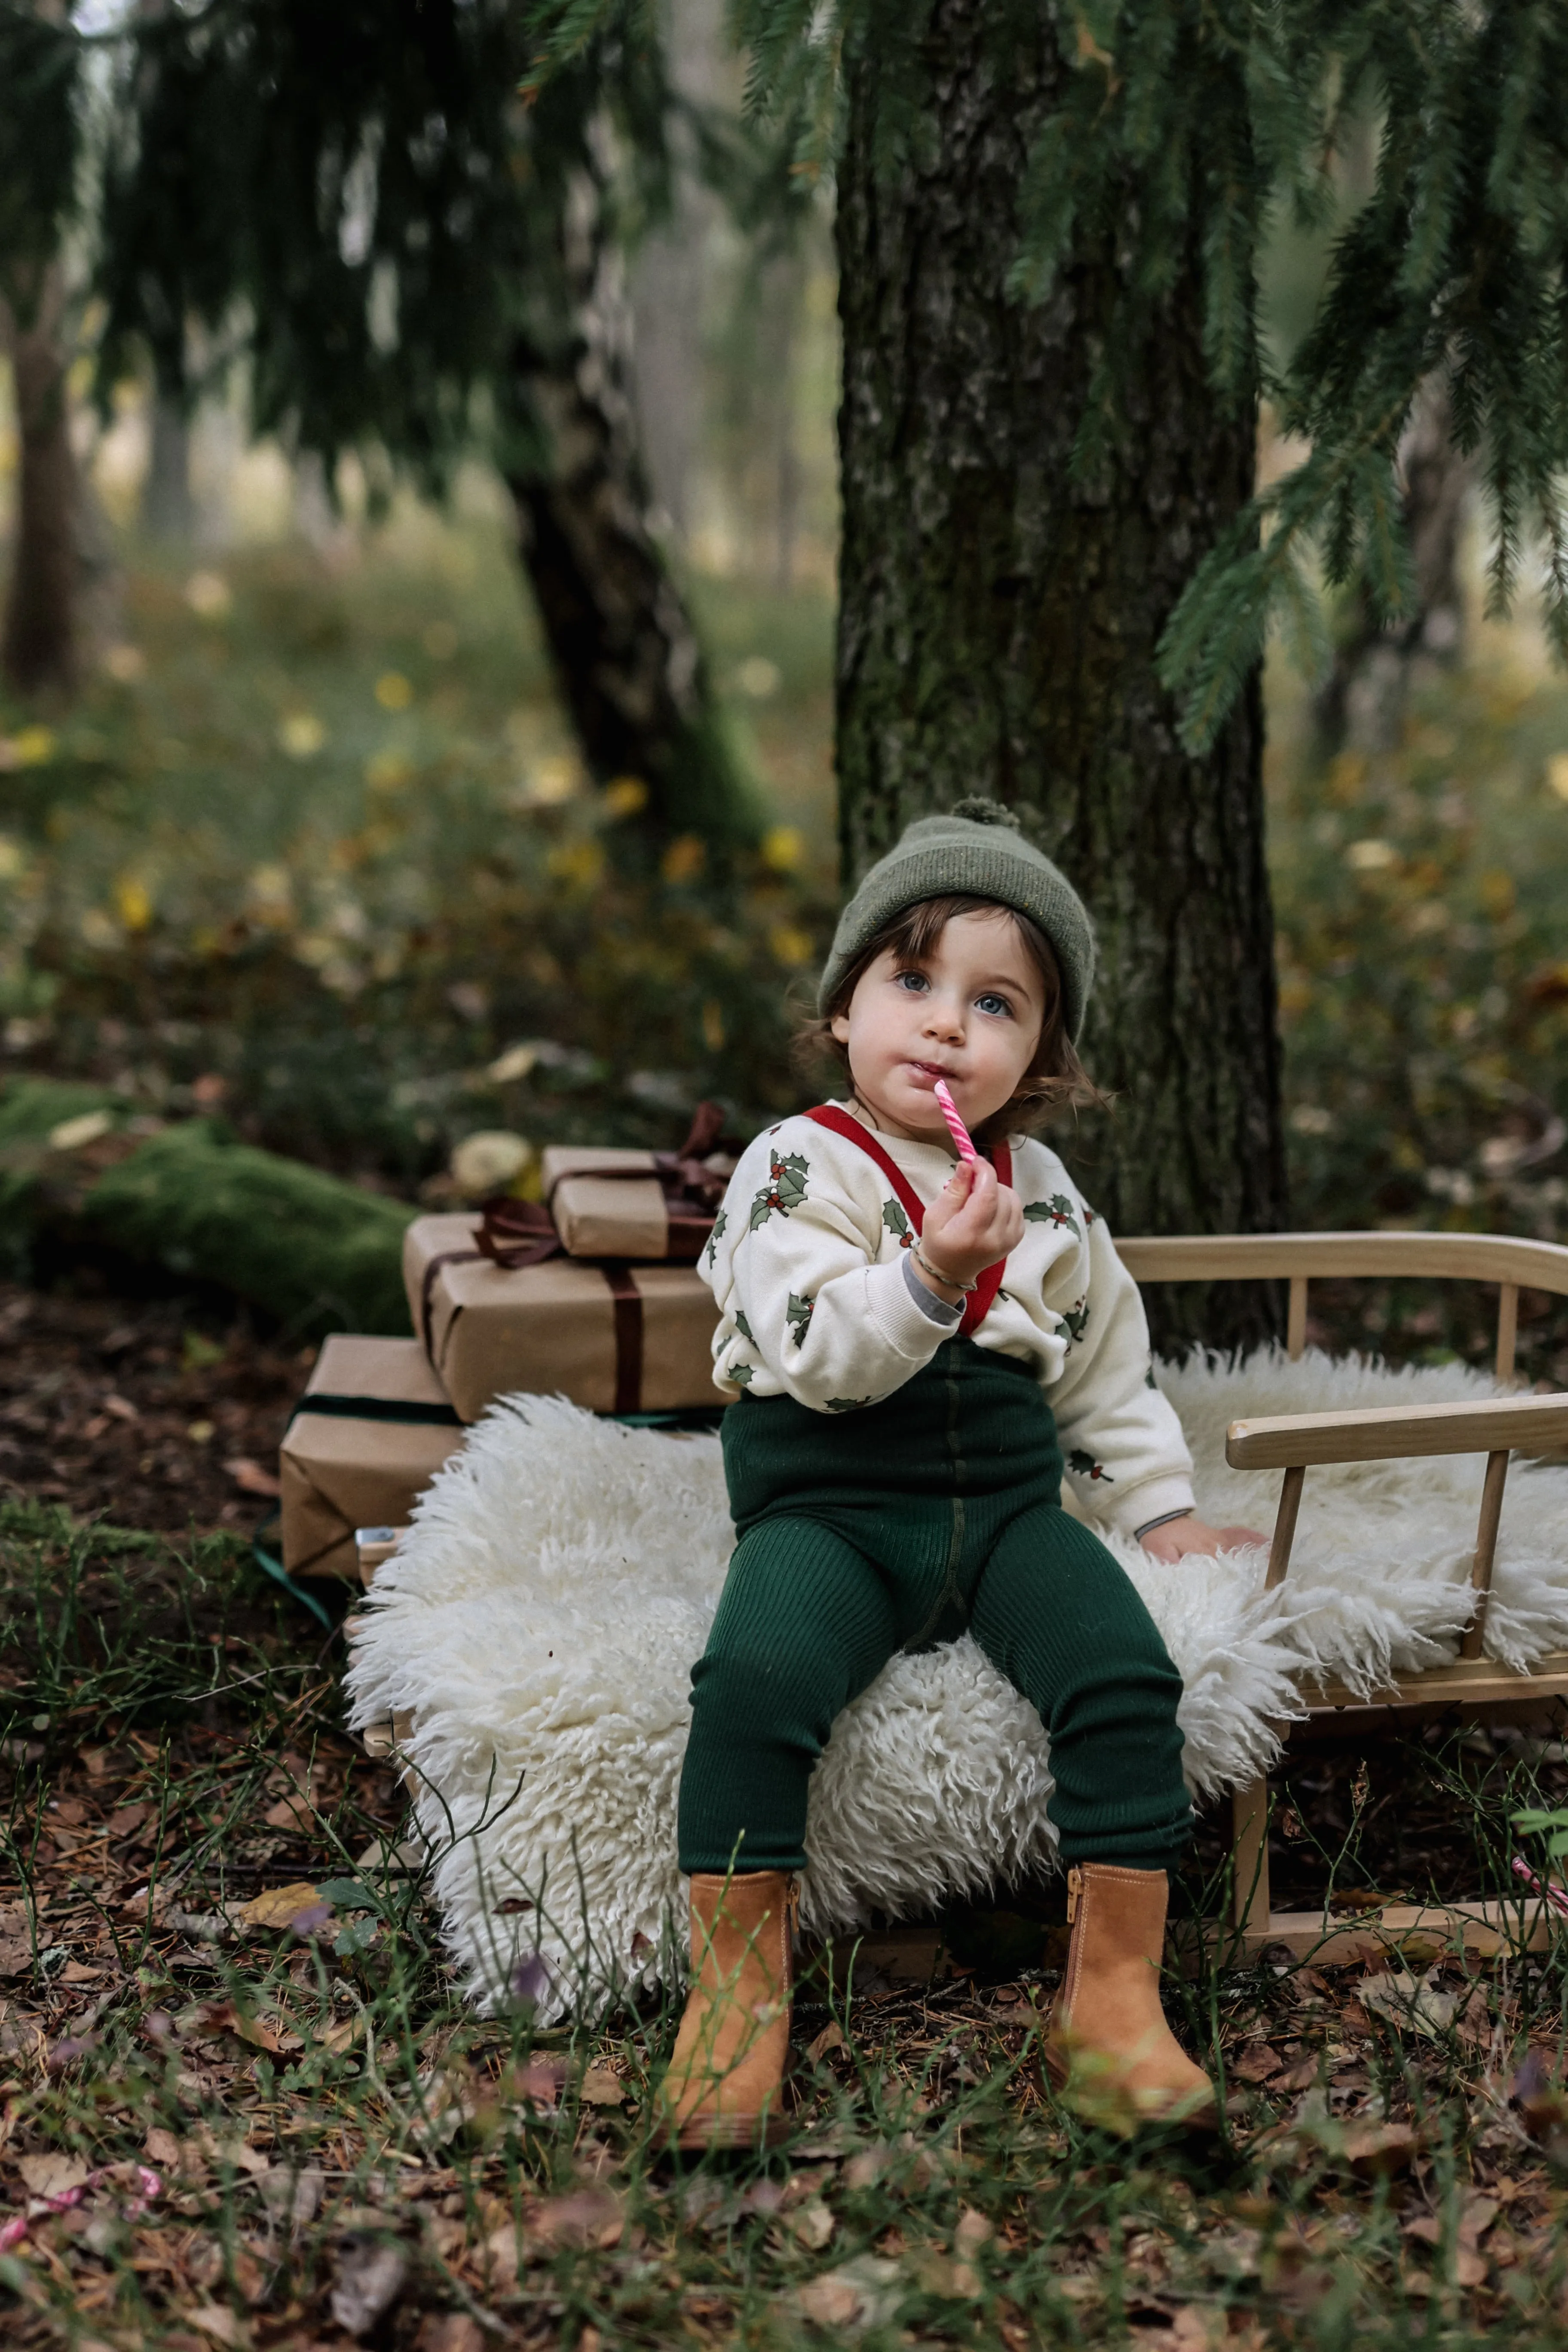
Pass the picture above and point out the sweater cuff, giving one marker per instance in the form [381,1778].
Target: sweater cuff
[905,1326]
[941,1311]
[1150,1501]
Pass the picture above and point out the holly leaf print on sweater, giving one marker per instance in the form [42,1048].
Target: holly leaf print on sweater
[744,1328]
[797,1315]
[1077,1318]
[720,1221]
[740,1376]
[897,1224]
[1084,1466]
[1056,1211]
[846,1405]
[784,1190]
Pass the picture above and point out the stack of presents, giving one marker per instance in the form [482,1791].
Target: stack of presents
[592,1294]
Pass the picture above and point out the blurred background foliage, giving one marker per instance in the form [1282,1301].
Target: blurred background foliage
[313,846]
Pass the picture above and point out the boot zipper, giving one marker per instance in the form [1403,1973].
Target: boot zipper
[1075,1888]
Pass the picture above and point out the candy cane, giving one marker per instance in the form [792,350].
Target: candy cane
[955,1126]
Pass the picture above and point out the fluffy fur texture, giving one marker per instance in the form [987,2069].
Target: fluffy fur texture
[540,1621]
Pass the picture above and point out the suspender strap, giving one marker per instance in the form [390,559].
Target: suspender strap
[982,1297]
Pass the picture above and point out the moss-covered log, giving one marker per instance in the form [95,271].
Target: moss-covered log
[315,1253]
[1000,612]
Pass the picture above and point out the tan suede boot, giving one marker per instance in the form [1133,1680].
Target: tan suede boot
[1108,2047]
[725,2083]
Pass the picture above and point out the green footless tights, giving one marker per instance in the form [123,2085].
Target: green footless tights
[895,1527]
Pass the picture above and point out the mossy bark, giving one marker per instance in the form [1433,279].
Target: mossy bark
[1000,612]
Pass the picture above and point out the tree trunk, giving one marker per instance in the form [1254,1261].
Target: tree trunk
[1363,704]
[997,629]
[39,652]
[625,652]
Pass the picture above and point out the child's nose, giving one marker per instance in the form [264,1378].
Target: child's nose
[944,1019]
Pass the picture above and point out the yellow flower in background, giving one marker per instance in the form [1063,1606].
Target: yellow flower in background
[271,894]
[550,781]
[1557,774]
[208,594]
[133,902]
[393,690]
[300,734]
[33,747]
[759,677]
[582,862]
[1371,857]
[626,796]
[784,846]
[790,945]
[388,771]
[684,859]
[13,858]
[712,1024]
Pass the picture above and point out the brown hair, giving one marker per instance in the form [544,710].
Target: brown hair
[1055,1077]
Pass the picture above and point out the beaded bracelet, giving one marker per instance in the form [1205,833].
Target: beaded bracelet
[947,1280]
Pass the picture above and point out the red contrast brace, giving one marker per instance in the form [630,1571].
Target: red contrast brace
[982,1297]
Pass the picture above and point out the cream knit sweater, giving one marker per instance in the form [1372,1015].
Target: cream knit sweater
[807,1264]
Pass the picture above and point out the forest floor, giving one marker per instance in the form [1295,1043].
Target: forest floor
[243,2104]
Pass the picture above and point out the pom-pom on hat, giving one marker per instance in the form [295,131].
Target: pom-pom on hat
[977,847]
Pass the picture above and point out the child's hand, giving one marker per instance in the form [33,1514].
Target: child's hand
[971,1223]
[1178,1537]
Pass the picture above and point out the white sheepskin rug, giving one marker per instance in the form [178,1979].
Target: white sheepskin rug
[539,1623]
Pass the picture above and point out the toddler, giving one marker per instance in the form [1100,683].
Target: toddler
[924,1348]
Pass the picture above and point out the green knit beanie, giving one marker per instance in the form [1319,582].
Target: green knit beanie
[975,848]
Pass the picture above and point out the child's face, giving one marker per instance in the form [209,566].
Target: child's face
[969,1013]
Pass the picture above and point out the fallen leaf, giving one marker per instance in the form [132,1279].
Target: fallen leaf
[280,1906]
[213,2319]
[591,2217]
[1257,2063]
[53,2173]
[164,2148]
[1299,2077]
[21,2036]
[812,2225]
[861,2293]
[16,1956]
[370,2278]
[602,2088]
[251,1478]
[453,2331]
[974,2229]
[1409,2004]
[830,2038]
[1376,2151]
[954,2282]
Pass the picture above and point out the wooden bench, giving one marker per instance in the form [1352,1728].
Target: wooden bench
[1474,1684]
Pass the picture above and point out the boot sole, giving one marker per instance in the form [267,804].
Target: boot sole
[734,2132]
[1199,2119]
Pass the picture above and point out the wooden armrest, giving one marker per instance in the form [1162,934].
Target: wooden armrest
[1265,1258]
[1529,1425]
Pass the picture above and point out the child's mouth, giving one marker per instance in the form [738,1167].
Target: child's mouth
[930,1072]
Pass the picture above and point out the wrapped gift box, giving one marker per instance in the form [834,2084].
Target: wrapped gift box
[614,1338]
[370,1433]
[606,1202]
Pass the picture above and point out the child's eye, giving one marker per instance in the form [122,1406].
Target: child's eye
[914,981]
[995,1004]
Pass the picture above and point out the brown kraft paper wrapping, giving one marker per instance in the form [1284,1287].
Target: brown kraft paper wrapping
[341,1469]
[611,1216]
[613,1337]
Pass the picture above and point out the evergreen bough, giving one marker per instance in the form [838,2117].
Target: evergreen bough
[1219,115]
